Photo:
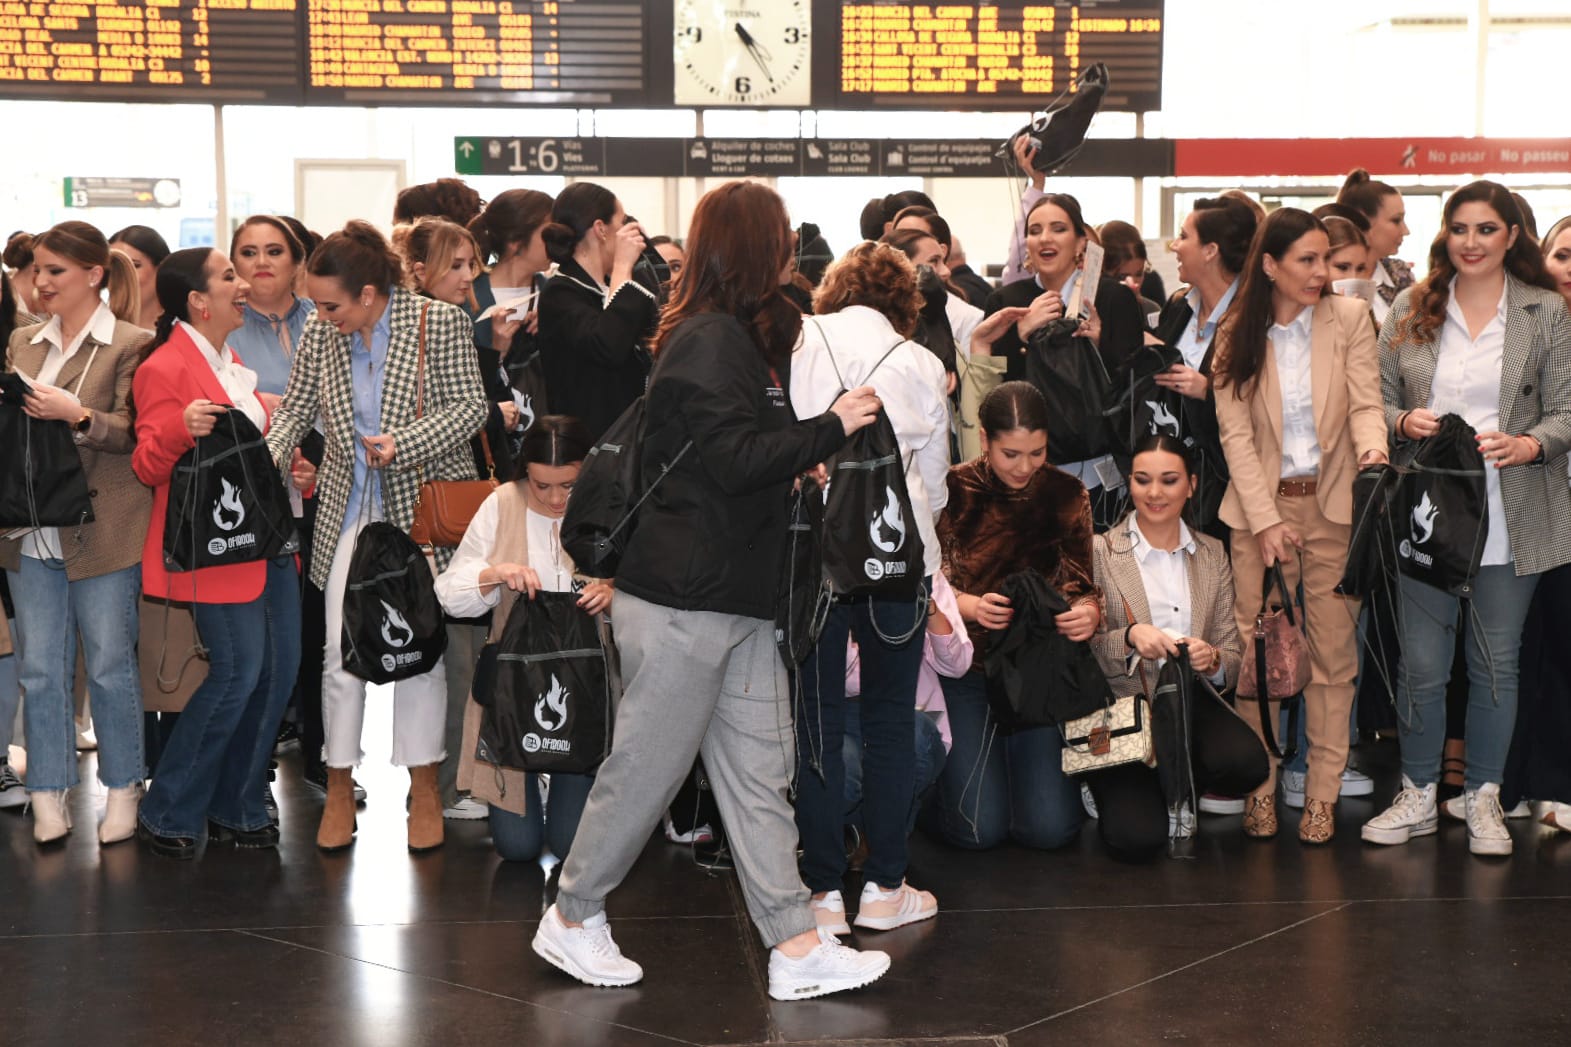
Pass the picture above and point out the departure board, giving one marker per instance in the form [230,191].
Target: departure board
[459,52]
[151,50]
[1003,55]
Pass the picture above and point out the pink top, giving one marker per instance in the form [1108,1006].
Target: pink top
[941,656]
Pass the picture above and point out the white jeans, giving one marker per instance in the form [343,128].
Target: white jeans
[419,703]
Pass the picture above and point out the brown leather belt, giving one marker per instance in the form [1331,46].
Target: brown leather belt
[1296,488]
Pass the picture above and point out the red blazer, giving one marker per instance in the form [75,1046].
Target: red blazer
[165,383]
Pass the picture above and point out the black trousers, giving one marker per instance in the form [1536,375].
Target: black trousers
[307,698]
[1538,766]
[1228,758]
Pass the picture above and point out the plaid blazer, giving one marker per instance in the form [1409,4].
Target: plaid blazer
[1535,400]
[1211,615]
[435,447]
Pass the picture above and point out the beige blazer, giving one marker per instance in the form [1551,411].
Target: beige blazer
[1349,420]
[121,505]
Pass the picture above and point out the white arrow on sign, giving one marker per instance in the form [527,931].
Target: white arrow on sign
[467,148]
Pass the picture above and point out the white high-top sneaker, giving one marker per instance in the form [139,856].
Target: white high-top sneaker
[1486,822]
[1413,813]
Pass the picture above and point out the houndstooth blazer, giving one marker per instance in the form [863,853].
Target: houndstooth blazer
[1211,615]
[1535,400]
[436,447]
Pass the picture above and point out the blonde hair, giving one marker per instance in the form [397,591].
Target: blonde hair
[433,243]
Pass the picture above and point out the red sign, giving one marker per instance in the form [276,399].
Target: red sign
[1265,157]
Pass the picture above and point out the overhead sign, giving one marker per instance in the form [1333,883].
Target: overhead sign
[122,192]
[783,157]
[1317,157]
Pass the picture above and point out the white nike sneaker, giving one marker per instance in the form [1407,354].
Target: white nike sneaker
[587,953]
[830,967]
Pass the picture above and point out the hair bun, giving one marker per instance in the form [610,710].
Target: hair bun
[1357,176]
[560,240]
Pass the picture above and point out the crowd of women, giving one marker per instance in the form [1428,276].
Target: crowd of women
[503,339]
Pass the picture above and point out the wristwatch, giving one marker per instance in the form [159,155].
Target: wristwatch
[82,425]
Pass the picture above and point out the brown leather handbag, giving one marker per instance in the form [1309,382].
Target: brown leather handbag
[1280,669]
[446,507]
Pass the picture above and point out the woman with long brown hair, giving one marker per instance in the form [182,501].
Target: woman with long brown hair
[1295,376]
[695,602]
[1487,337]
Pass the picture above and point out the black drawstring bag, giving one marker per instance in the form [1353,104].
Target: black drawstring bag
[1369,564]
[227,502]
[393,626]
[41,478]
[548,703]
[1440,509]
[802,604]
[603,511]
[1036,676]
[1059,130]
[1072,378]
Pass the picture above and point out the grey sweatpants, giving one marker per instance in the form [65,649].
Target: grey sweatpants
[697,682]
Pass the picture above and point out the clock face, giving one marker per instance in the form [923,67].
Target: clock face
[742,52]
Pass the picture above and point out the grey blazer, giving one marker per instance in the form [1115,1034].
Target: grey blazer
[1535,400]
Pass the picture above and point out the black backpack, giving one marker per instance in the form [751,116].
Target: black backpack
[41,478]
[1036,676]
[393,626]
[547,699]
[1440,509]
[1072,377]
[871,546]
[227,502]
[602,513]
[802,604]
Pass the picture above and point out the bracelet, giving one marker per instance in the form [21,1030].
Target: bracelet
[1127,642]
[1401,422]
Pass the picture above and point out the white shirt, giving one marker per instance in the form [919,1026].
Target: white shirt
[238,381]
[1300,444]
[1165,576]
[963,319]
[44,543]
[1196,339]
[911,385]
[458,587]
[1467,382]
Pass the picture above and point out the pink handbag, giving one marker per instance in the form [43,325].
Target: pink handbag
[1281,662]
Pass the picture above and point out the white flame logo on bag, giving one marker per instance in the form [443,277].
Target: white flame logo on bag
[228,511]
[526,411]
[892,520]
[395,629]
[1162,418]
[1424,514]
[553,701]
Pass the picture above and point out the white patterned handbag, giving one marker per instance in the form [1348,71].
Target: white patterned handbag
[1115,735]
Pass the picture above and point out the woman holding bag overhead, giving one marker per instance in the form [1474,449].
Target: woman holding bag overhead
[372,353]
[84,579]
[1484,336]
[212,773]
[1296,375]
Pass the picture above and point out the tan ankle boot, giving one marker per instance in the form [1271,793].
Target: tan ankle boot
[51,815]
[120,815]
[337,830]
[425,809]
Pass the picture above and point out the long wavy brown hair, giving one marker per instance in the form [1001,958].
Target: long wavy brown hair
[1432,294]
[876,275]
[737,246]
[1241,341]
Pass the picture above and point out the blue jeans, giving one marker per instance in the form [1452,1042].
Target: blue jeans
[214,766]
[50,612]
[1493,636]
[930,756]
[521,837]
[1000,785]
[887,707]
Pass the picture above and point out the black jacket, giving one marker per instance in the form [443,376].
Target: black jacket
[595,364]
[1123,327]
[712,535]
[976,286]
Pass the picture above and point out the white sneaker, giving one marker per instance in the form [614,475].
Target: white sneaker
[1211,803]
[830,912]
[699,834]
[467,809]
[882,910]
[120,815]
[830,967]
[1356,783]
[1412,813]
[1456,808]
[1556,816]
[587,953]
[1180,822]
[1087,800]
[1486,822]
[51,814]
[1523,809]
[1293,787]
[12,792]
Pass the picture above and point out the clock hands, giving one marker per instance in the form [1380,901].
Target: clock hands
[759,52]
